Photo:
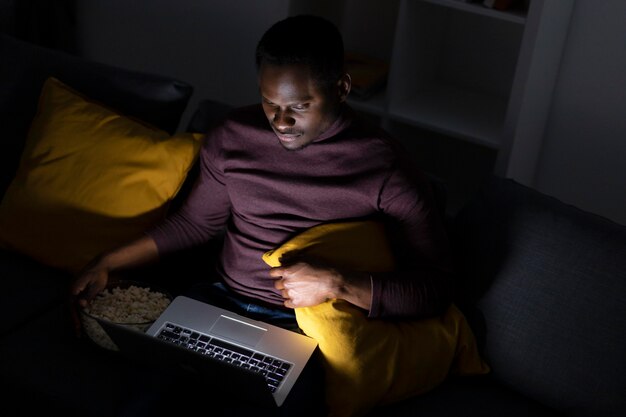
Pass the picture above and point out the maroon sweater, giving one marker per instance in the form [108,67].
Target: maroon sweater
[264,194]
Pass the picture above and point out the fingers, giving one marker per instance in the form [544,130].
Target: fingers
[294,283]
[79,293]
[89,293]
[77,287]
[277,272]
[86,287]
[279,284]
[82,284]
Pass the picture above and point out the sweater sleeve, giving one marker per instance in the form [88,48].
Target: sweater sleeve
[421,285]
[206,210]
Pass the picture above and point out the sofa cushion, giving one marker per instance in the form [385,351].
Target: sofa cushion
[24,67]
[89,180]
[549,280]
[471,396]
[372,361]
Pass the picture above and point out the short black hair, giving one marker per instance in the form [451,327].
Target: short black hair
[305,39]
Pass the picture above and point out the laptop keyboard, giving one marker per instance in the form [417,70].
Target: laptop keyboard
[273,369]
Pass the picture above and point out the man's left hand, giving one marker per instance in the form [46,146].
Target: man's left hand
[305,285]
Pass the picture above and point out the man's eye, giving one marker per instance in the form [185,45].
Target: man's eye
[300,107]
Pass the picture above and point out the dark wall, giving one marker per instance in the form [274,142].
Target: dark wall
[44,22]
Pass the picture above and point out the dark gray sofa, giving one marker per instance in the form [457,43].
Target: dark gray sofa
[541,282]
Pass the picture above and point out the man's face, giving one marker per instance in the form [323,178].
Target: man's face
[297,110]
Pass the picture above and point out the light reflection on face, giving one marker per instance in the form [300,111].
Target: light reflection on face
[296,108]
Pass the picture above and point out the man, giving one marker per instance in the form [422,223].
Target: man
[299,159]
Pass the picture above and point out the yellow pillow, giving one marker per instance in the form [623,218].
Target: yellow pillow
[369,362]
[89,179]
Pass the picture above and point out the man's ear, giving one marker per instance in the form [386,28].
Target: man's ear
[343,86]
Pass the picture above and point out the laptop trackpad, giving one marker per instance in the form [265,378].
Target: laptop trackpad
[234,329]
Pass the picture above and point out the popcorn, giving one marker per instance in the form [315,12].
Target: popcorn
[134,306]
[130,305]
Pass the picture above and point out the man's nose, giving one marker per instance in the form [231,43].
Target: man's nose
[283,120]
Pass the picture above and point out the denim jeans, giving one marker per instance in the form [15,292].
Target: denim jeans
[218,294]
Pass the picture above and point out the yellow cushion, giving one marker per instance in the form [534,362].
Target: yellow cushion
[89,179]
[358,246]
[370,362]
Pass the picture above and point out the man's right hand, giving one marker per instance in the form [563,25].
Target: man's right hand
[95,276]
[89,283]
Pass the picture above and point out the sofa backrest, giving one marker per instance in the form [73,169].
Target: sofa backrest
[544,285]
[155,99]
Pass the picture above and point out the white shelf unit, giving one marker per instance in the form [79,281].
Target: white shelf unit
[452,69]
[459,68]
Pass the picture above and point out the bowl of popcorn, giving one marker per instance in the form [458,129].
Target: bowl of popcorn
[127,303]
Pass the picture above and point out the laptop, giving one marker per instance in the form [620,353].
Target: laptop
[226,350]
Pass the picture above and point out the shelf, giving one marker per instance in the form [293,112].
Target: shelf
[514,16]
[459,69]
[460,113]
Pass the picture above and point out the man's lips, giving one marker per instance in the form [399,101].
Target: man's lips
[287,137]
